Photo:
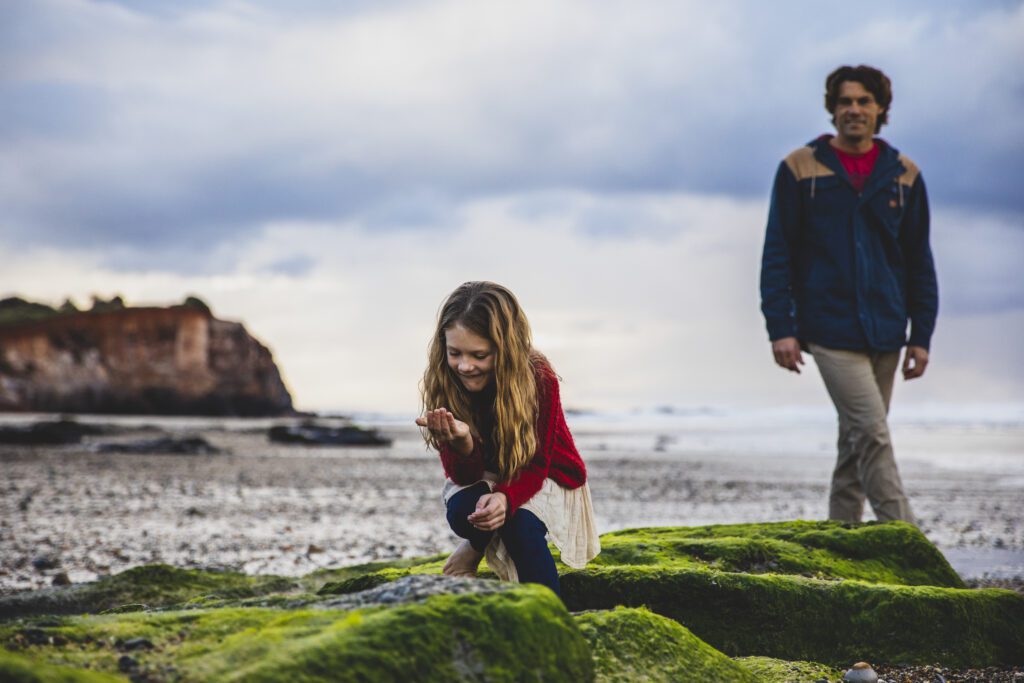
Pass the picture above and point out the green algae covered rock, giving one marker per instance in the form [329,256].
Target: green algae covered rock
[894,552]
[636,645]
[891,552]
[768,670]
[153,585]
[363,581]
[798,618]
[442,638]
[804,591]
[318,580]
[17,669]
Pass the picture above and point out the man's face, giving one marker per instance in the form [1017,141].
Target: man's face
[856,112]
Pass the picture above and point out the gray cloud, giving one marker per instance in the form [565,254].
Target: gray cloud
[153,132]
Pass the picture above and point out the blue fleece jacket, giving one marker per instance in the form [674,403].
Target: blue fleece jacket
[843,269]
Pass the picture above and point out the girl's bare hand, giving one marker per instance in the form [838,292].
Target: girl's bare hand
[490,512]
[446,429]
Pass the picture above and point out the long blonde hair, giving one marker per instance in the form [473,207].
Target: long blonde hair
[493,313]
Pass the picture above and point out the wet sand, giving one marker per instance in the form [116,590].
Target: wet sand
[272,509]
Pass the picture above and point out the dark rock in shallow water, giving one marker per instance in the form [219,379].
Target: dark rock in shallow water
[47,433]
[192,445]
[44,562]
[312,434]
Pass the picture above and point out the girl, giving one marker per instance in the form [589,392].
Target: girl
[493,413]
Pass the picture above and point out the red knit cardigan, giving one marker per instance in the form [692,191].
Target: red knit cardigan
[556,457]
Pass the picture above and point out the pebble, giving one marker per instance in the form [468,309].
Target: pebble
[861,672]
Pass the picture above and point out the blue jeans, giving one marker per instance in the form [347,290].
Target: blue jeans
[523,535]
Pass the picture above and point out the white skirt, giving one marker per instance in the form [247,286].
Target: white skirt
[567,513]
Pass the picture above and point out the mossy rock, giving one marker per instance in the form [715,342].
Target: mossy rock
[154,585]
[386,575]
[834,622]
[363,582]
[275,600]
[637,645]
[817,591]
[445,637]
[768,670]
[317,580]
[17,669]
[891,552]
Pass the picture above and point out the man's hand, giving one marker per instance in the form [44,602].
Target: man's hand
[446,429]
[490,512]
[915,360]
[787,353]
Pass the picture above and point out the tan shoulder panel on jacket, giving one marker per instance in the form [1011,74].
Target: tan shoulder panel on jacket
[910,175]
[803,164]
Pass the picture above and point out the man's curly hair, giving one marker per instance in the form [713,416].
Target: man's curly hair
[873,80]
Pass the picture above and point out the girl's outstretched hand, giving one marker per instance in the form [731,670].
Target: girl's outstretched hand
[446,429]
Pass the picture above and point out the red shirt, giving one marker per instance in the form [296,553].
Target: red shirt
[556,457]
[858,166]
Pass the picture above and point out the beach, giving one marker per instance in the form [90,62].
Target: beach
[268,508]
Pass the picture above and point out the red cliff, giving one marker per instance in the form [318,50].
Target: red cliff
[178,360]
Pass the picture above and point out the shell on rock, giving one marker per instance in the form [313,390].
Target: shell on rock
[861,672]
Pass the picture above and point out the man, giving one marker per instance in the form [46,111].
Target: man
[846,265]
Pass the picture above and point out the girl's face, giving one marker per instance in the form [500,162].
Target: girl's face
[470,356]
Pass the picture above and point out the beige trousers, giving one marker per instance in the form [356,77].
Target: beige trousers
[860,384]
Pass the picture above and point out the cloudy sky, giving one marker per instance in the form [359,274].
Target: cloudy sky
[327,172]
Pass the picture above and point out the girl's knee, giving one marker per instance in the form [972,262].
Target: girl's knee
[458,523]
[465,500]
[461,505]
